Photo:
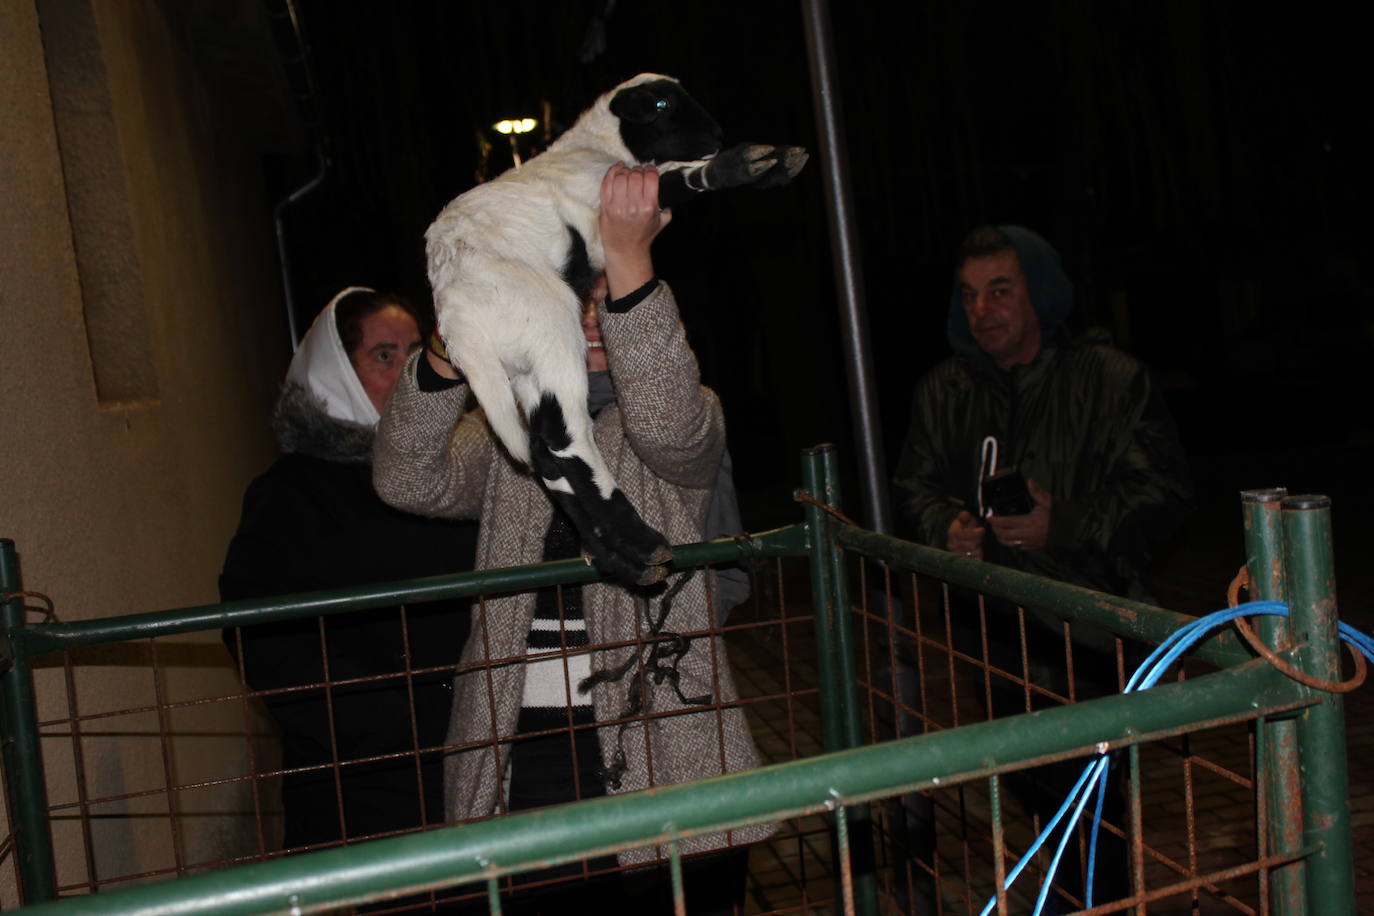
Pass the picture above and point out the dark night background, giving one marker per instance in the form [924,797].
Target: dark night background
[1202,168]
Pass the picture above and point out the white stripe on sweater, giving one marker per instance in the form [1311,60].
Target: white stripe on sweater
[546,685]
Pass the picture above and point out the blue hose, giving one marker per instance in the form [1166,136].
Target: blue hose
[1093,778]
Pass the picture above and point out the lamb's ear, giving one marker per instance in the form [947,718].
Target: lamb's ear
[636,105]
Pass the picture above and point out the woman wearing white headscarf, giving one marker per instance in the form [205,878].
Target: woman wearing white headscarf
[312,521]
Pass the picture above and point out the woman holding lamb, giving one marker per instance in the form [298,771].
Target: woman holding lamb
[527,740]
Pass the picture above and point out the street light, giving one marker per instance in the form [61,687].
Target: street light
[512,128]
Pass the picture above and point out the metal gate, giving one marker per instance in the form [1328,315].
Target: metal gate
[918,713]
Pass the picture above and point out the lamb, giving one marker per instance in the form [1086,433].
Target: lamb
[512,261]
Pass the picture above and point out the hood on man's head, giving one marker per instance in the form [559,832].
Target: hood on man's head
[1051,291]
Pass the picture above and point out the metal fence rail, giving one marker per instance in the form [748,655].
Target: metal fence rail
[917,785]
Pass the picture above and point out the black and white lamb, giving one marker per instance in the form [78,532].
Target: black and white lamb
[512,261]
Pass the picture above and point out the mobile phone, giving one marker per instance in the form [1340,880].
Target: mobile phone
[1005,493]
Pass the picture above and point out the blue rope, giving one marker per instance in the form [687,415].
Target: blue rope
[1093,777]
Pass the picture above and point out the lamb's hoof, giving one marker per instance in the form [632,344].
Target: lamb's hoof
[758,158]
[787,162]
[628,571]
[627,535]
[740,164]
[652,575]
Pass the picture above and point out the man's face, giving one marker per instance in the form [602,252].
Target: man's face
[388,337]
[998,307]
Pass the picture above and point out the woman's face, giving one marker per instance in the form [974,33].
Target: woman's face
[388,337]
[591,328]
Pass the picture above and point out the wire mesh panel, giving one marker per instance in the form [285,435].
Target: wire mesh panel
[1180,814]
[772,643]
[918,783]
[190,776]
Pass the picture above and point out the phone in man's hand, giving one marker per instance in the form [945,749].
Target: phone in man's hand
[1005,493]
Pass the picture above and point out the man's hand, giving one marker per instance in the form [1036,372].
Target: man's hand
[1025,532]
[965,536]
[630,221]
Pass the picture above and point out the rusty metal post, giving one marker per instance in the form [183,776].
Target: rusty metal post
[1311,586]
[28,797]
[1282,772]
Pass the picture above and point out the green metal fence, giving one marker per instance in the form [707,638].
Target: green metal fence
[910,791]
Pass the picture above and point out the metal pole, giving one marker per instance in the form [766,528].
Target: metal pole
[1282,773]
[50,637]
[278,220]
[825,93]
[295,55]
[28,798]
[1321,728]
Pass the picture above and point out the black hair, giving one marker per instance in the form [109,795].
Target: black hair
[982,242]
[350,311]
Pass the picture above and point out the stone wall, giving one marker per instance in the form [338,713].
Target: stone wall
[141,343]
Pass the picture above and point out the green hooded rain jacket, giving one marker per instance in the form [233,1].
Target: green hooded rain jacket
[1083,421]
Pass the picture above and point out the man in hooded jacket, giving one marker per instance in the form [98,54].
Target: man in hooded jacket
[1089,432]
[1083,422]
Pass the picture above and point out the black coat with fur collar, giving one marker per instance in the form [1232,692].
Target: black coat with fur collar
[313,521]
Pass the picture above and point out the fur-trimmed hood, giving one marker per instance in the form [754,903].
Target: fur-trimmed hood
[301,424]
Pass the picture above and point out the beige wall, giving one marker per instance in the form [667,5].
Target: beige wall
[125,507]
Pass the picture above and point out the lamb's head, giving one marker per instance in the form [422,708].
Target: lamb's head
[660,122]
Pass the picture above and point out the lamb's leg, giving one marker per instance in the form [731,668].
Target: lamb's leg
[756,164]
[618,539]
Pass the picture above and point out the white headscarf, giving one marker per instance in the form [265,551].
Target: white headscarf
[321,365]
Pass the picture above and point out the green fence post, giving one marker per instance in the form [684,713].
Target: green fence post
[833,729]
[843,633]
[1282,774]
[1311,586]
[835,658]
[28,797]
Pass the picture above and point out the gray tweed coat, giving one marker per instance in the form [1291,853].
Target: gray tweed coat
[663,440]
